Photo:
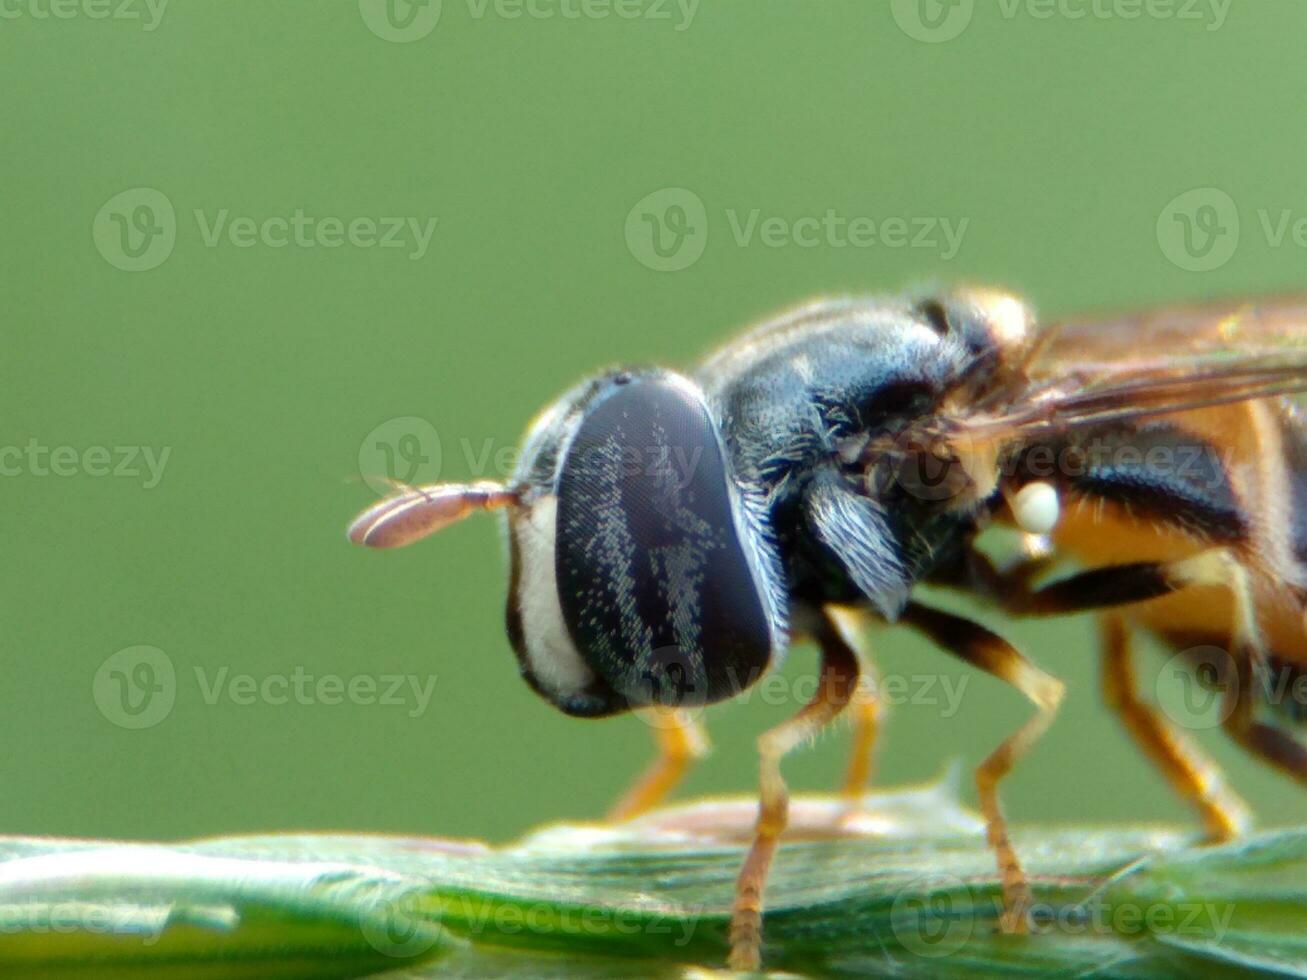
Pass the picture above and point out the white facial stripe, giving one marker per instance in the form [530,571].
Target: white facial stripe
[550,654]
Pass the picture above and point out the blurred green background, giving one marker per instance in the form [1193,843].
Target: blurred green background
[1062,141]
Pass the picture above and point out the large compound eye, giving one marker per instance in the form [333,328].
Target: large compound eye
[661,577]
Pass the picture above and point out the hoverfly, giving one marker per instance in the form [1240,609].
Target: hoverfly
[671,534]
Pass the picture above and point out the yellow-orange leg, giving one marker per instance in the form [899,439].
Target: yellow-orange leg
[994,655]
[866,710]
[838,682]
[1193,776]
[867,715]
[681,740]
[1136,582]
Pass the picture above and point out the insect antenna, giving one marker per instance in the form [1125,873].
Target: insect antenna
[416,512]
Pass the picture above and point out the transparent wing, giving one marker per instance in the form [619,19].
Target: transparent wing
[1168,337]
[1098,369]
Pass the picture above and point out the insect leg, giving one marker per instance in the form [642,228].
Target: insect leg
[1110,585]
[1121,584]
[866,710]
[1192,775]
[1269,743]
[994,655]
[837,685]
[681,740]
